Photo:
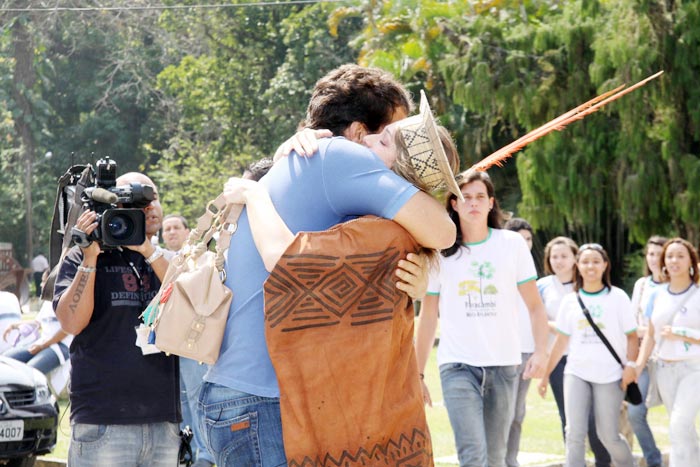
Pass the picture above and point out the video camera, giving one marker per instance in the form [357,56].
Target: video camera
[117,226]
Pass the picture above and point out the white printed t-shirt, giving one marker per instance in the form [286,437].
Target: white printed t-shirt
[478,290]
[552,291]
[588,358]
[663,305]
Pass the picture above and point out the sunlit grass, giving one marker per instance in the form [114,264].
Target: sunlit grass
[541,429]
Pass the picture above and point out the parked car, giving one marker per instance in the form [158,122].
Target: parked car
[28,414]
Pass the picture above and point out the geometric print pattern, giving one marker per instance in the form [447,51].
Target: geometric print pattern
[407,451]
[318,290]
[422,155]
[340,337]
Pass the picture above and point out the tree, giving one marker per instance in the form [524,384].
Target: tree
[237,98]
[80,84]
[507,67]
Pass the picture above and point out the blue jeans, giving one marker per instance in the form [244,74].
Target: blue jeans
[191,374]
[516,427]
[556,381]
[241,430]
[147,445]
[480,403]
[581,398]
[44,361]
[637,415]
[678,386]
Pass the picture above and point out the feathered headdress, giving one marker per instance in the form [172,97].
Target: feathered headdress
[559,123]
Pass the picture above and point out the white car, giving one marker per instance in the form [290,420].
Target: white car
[28,414]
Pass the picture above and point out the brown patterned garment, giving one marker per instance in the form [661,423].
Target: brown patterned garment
[340,336]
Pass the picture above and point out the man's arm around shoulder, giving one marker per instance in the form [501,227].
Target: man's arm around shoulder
[427,220]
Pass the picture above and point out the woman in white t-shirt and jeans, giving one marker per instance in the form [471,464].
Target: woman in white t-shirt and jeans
[593,380]
[643,289]
[560,267]
[674,335]
[476,291]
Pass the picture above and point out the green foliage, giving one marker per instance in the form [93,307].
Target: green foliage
[193,96]
[244,95]
[499,69]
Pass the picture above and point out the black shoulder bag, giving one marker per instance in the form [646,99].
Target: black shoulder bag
[632,395]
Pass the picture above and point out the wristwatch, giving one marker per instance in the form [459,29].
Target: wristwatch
[156,254]
[631,364]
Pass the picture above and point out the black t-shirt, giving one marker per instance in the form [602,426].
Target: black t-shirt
[112,382]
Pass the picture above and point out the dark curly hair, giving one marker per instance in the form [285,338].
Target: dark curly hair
[352,93]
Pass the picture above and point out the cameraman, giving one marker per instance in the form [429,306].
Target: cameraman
[125,405]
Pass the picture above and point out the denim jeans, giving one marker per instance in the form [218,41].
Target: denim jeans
[191,374]
[44,361]
[480,403]
[637,415]
[678,386]
[241,430]
[605,400]
[516,427]
[556,381]
[147,445]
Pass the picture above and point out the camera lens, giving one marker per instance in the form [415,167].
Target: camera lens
[121,227]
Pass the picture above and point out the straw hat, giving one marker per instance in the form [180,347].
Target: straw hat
[426,154]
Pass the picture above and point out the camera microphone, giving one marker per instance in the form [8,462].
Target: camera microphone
[104,196]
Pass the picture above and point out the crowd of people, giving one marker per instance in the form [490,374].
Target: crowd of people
[285,391]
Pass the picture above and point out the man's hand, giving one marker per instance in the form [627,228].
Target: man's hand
[536,365]
[304,143]
[413,275]
[87,222]
[146,248]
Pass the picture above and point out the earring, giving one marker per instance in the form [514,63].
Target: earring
[692,271]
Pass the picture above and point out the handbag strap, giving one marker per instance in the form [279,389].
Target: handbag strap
[219,216]
[597,330]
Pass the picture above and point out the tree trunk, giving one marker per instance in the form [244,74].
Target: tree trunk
[23,81]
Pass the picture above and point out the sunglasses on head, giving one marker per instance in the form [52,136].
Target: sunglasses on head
[591,246]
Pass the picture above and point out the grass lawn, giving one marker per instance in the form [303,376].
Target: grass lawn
[541,430]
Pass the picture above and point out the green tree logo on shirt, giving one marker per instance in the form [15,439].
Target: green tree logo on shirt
[482,271]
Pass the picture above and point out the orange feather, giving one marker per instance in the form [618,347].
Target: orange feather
[559,123]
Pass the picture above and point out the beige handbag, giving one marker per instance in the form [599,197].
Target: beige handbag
[188,315]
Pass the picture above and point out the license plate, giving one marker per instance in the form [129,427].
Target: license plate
[11,430]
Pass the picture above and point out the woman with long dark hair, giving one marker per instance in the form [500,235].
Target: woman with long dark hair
[560,267]
[673,335]
[476,291]
[593,379]
[644,288]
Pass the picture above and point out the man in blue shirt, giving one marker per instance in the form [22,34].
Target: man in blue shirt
[240,398]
